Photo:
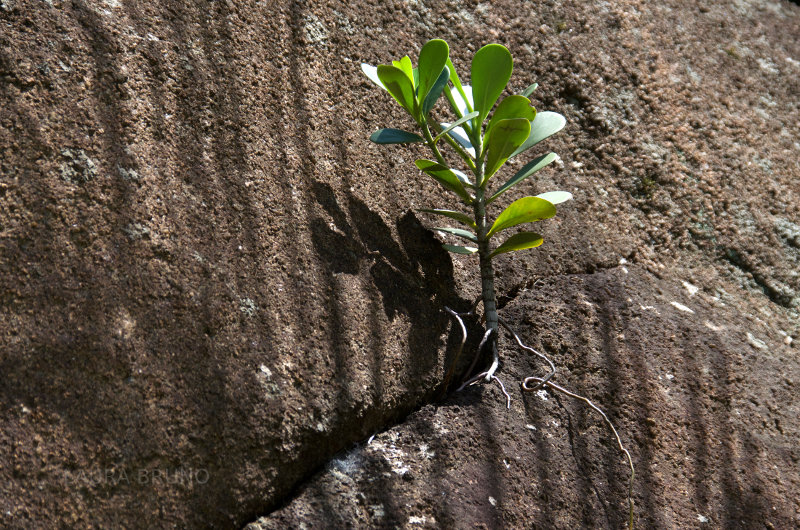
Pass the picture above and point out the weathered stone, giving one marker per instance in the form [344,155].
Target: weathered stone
[187,348]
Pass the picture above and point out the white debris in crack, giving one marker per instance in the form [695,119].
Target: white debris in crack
[681,307]
[425,451]
[393,455]
[756,343]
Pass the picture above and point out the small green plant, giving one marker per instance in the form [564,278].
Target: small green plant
[484,143]
[485,135]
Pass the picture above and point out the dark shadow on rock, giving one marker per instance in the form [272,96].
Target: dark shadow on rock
[546,472]
[79,366]
[376,236]
[414,280]
[340,252]
[607,292]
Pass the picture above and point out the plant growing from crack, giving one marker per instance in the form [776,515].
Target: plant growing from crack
[485,135]
[484,145]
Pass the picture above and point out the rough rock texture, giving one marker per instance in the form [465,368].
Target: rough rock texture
[707,454]
[211,283]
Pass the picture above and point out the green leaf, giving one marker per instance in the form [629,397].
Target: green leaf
[460,232]
[450,126]
[528,91]
[459,88]
[452,214]
[526,171]
[395,136]
[436,91]
[445,176]
[432,60]
[556,197]
[405,65]
[524,210]
[456,249]
[512,107]
[491,70]
[453,74]
[372,73]
[399,86]
[519,241]
[545,125]
[506,137]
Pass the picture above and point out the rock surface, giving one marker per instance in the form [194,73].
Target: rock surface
[211,283]
[668,368]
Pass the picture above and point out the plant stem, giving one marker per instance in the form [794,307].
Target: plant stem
[487,272]
[426,131]
[457,148]
[484,252]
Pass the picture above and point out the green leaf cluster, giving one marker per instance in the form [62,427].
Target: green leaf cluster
[486,131]
[415,89]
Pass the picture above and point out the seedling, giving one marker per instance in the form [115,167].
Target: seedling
[484,145]
[485,135]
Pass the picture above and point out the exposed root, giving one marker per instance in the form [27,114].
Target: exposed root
[471,381]
[449,374]
[489,375]
[484,375]
[540,355]
[550,384]
[503,388]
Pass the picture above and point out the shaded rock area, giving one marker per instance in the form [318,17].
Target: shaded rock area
[666,363]
[214,289]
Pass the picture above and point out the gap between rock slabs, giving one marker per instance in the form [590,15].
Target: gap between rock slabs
[503,301]
[529,384]
[489,376]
